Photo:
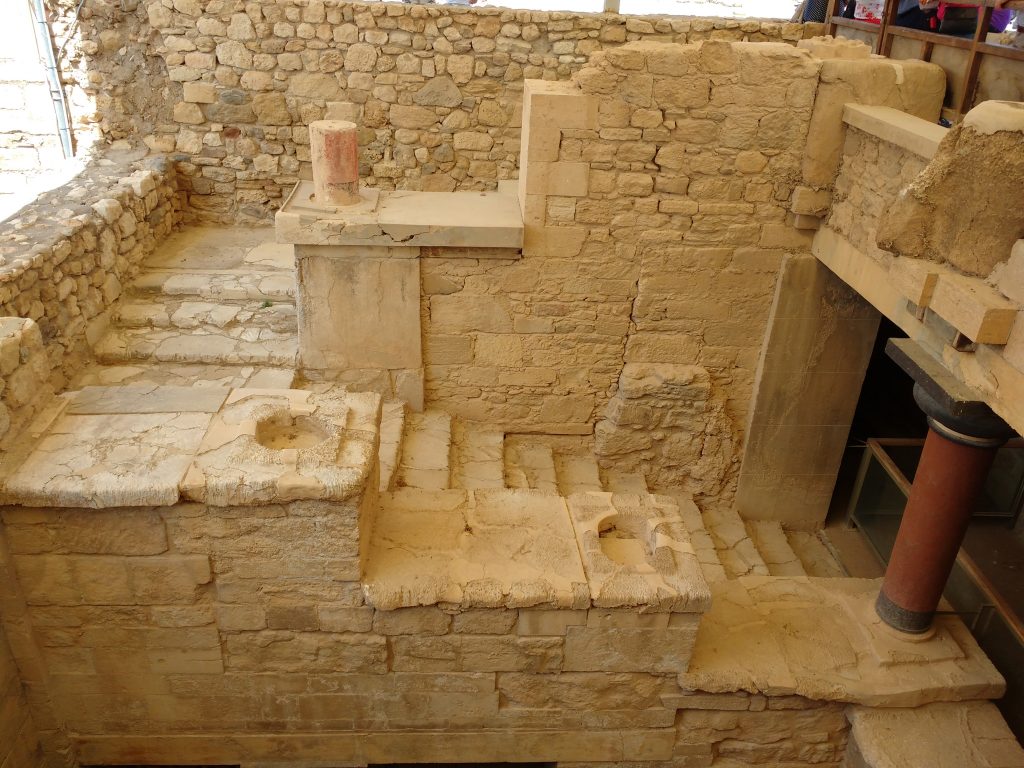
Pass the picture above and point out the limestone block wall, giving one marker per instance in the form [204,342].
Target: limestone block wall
[229,635]
[19,742]
[872,173]
[954,734]
[65,258]
[655,204]
[232,86]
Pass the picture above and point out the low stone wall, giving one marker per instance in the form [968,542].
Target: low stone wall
[194,631]
[759,730]
[19,743]
[436,89]
[970,733]
[872,173]
[65,259]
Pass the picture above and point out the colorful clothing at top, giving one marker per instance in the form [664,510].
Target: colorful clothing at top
[1000,16]
[870,10]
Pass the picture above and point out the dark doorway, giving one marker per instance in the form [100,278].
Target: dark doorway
[986,587]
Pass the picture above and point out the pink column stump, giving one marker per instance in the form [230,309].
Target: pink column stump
[335,156]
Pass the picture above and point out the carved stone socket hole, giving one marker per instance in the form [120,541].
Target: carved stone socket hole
[622,540]
[283,431]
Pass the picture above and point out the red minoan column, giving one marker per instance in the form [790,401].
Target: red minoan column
[963,437]
[335,156]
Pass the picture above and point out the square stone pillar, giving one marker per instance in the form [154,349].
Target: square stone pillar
[359,313]
[815,354]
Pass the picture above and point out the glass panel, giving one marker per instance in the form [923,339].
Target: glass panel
[877,506]
[1004,487]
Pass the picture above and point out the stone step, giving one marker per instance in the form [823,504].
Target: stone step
[735,549]
[184,313]
[185,375]
[624,482]
[257,346]
[774,548]
[700,538]
[219,285]
[814,554]
[425,460]
[392,423]
[577,474]
[477,456]
[530,465]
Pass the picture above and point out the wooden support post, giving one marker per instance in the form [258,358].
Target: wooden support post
[833,11]
[889,15]
[970,81]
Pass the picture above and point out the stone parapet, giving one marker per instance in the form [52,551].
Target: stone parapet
[65,259]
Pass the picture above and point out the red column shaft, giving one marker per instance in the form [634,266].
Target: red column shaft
[334,152]
[949,479]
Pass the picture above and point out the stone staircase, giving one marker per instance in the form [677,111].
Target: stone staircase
[216,307]
[435,451]
[213,306]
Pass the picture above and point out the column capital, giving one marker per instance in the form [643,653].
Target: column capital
[954,410]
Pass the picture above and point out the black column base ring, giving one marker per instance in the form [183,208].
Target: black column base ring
[902,619]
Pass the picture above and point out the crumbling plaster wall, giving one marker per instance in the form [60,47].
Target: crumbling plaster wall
[656,221]
[230,86]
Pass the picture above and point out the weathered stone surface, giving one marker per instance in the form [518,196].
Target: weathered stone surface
[438,92]
[938,734]
[979,159]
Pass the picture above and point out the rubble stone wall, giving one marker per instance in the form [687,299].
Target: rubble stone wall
[655,206]
[65,258]
[24,376]
[195,630]
[872,173]
[19,743]
[232,86]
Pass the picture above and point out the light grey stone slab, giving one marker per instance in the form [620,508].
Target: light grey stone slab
[359,313]
[405,219]
[108,460]
[147,399]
